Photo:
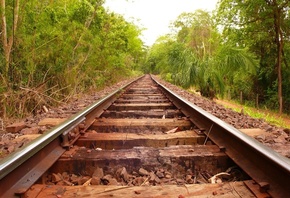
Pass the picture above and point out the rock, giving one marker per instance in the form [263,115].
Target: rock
[88,182]
[60,183]
[287,131]
[55,178]
[135,173]
[96,181]
[83,180]
[109,180]
[189,179]
[156,179]
[43,129]
[168,175]
[11,148]
[269,129]
[180,181]
[16,127]
[137,192]
[51,121]
[98,173]
[152,176]
[65,176]
[124,174]
[260,138]
[138,181]
[143,172]
[172,183]
[67,183]
[113,181]
[280,139]
[277,133]
[33,130]
[269,140]
[160,174]
[74,179]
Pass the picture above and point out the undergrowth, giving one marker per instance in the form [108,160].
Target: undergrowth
[265,114]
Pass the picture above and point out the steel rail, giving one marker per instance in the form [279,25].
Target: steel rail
[12,162]
[268,168]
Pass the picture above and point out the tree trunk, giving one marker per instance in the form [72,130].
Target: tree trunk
[279,43]
[257,101]
[4,39]
[7,41]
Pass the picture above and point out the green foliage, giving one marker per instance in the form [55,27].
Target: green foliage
[263,27]
[67,47]
[195,55]
[234,50]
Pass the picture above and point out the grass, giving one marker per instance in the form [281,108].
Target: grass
[271,117]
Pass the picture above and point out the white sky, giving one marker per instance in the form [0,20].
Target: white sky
[156,15]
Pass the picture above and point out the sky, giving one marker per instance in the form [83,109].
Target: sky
[156,15]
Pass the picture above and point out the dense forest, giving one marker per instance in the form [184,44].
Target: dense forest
[241,51]
[52,50]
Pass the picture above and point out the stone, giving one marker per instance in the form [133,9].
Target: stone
[51,121]
[157,180]
[180,181]
[98,173]
[11,148]
[189,179]
[65,176]
[124,174]
[287,131]
[280,139]
[269,129]
[83,180]
[168,175]
[96,180]
[143,172]
[260,138]
[109,180]
[32,130]
[16,127]
[74,179]
[113,181]
[138,181]
[152,176]
[277,133]
[55,178]
[269,140]
[137,192]
[67,183]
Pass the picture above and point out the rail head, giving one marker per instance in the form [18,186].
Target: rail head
[239,146]
[14,160]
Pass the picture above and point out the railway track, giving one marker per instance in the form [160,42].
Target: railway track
[144,141]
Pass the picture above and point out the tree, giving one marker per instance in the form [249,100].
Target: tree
[62,48]
[8,33]
[261,23]
[196,56]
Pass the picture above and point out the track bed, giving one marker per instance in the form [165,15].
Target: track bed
[143,140]
[142,143]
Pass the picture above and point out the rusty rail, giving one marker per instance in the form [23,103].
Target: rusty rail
[24,167]
[269,169]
